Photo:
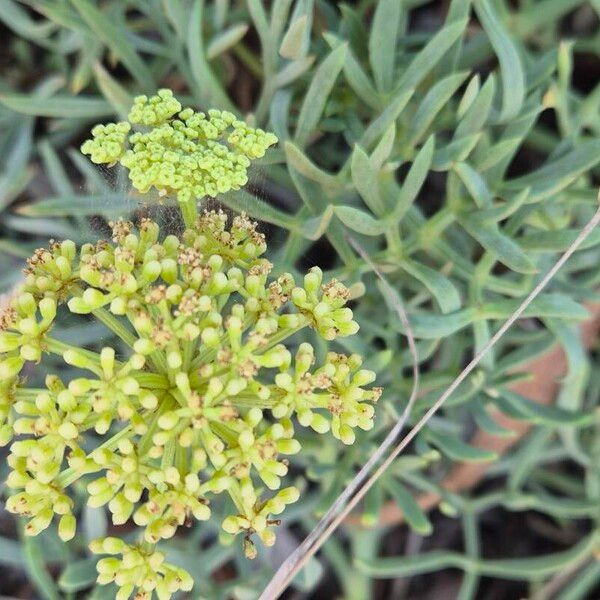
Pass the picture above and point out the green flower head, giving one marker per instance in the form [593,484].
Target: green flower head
[207,397]
[179,151]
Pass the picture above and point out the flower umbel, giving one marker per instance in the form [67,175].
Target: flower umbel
[205,398]
[204,402]
[179,151]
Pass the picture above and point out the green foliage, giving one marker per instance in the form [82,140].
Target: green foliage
[429,147]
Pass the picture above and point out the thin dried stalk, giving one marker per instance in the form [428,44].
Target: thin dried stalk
[339,510]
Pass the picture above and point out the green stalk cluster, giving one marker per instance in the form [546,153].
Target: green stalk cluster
[205,401]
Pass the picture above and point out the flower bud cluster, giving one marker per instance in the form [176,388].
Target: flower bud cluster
[185,153]
[135,568]
[205,400]
[204,403]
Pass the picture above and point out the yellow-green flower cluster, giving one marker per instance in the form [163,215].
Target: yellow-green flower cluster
[179,151]
[205,402]
[138,569]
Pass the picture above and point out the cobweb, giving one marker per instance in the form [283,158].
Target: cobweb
[117,198]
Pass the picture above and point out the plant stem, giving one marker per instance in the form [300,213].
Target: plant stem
[115,326]
[189,212]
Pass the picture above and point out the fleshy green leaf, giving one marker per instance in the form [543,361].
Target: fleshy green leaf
[383,35]
[427,59]
[413,514]
[226,40]
[84,107]
[441,288]
[513,77]
[435,100]
[317,94]
[34,563]
[495,242]
[518,406]
[360,221]
[293,41]
[116,40]
[78,575]
[364,178]
[558,174]
[306,167]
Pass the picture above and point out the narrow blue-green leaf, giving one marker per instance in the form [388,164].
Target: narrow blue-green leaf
[384,148]
[82,73]
[456,449]
[469,95]
[388,116]
[315,227]
[292,71]
[372,504]
[61,14]
[556,175]
[35,565]
[414,180]
[175,10]
[500,212]
[95,522]
[78,575]
[556,241]
[358,80]
[427,59]
[494,241]
[11,554]
[104,592]
[588,578]
[475,184]
[14,248]
[54,168]
[441,288]
[418,564]
[479,110]
[540,414]
[120,99]
[435,100]
[260,19]
[485,421]
[364,178]
[513,76]
[306,167]
[17,19]
[280,11]
[553,305]
[543,566]
[14,175]
[292,44]
[523,354]
[83,107]
[413,514]
[207,86]
[359,220]
[514,569]
[429,326]
[457,150]
[279,113]
[75,205]
[225,40]
[313,197]
[383,35]
[316,96]
[498,157]
[117,40]
[244,201]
